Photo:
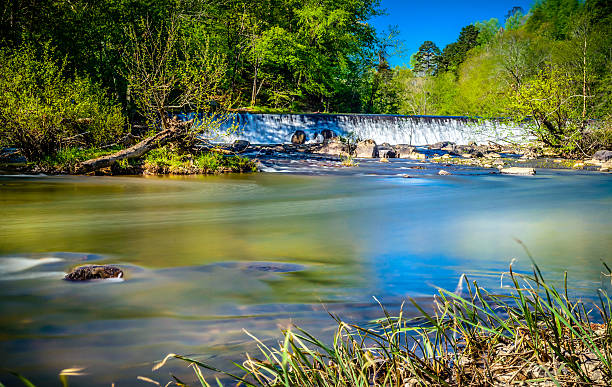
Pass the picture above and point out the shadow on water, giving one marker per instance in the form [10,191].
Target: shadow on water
[205,257]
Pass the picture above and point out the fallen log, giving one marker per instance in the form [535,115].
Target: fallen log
[176,130]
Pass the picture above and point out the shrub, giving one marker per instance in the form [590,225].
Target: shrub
[42,110]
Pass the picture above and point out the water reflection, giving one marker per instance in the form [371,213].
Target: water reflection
[206,257]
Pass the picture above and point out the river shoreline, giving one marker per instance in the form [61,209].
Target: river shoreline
[334,153]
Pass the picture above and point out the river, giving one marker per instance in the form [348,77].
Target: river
[208,256]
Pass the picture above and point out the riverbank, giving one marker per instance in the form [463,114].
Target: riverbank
[161,161]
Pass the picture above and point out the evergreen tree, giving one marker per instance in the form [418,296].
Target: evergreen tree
[455,53]
[426,59]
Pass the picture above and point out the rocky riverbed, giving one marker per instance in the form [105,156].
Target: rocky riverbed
[335,152]
[493,157]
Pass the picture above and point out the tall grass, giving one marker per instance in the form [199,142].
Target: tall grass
[533,333]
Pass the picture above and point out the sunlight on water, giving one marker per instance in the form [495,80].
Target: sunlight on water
[205,257]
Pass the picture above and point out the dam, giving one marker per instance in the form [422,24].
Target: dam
[261,128]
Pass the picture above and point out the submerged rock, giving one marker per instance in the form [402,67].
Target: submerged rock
[518,171]
[91,272]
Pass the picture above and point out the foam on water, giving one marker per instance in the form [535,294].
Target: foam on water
[15,265]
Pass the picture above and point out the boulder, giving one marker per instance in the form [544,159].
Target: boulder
[240,145]
[414,156]
[518,171]
[366,148]
[327,134]
[402,149]
[441,144]
[91,272]
[603,155]
[333,148]
[387,153]
[442,172]
[299,137]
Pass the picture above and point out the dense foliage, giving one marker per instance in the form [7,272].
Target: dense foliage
[551,66]
[96,62]
[42,110]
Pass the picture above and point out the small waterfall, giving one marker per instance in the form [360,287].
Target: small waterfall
[393,129]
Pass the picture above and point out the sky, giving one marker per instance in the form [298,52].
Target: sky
[438,20]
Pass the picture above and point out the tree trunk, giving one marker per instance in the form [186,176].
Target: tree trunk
[176,130]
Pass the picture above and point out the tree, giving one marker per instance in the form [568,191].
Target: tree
[43,110]
[553,103]
[167,71]
[426,59]
[552,18]
[487,30]
[514,18]
[455,53]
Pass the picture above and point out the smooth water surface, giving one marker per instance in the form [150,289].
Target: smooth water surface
[205,257]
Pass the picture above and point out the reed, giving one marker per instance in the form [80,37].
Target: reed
[532,333]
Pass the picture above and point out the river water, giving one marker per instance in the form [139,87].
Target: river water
[206,257]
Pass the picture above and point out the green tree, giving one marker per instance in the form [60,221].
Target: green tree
[552,18]
[455,53]
[43,110]
[552,101]
[515,18]
[487,30]
[426,59]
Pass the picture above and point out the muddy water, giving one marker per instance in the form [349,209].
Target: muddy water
[205,257]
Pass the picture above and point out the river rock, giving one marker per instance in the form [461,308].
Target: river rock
[518,171]
[366,148]
[414,156]
[403,149]
[327,134]
[603,155]
[240,145]
[441,144]
[333,148]
[442,172]
[387,153]
[299,137]
[91,272]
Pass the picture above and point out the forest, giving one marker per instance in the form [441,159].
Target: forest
[98,70]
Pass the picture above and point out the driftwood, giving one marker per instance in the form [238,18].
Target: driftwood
[176,129]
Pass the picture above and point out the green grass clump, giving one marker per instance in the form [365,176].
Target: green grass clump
[168,161]
[532,335]
[349,161]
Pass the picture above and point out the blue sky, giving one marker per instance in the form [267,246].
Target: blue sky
[438,20]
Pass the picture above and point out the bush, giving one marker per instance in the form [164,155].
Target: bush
[42,110]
